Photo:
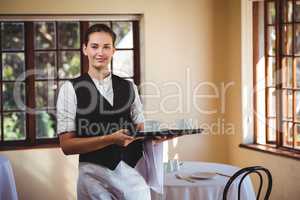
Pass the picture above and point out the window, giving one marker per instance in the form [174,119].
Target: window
[38,54]
[276,44]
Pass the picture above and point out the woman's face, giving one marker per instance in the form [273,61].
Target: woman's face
[99,50]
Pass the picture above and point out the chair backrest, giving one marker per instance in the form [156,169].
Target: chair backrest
[245,172]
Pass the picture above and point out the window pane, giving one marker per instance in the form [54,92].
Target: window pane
[287,134]
[287,108]
[271,71]
[13,96]
[123,63]
[284,99]
[271,35]
[271,129]
[13,66]
[288,11]
[297,136]
[45,91]
[297,39]
[297,11]
[12,36]
[271,102]
[287,72]
[45,35]
[68,34]
[297,106]
[297,62]
[69,64]
[271,12]
[287,40]
[45,124]
[290,104]
[14,126]
[124,34]
[45,63]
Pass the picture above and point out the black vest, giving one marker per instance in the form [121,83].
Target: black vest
[96,117]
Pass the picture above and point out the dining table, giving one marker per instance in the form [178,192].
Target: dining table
[177,187]
[8,189]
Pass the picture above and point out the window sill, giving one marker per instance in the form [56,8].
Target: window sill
[272,150]
[21,146]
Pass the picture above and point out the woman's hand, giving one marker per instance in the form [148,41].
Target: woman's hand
[121,138]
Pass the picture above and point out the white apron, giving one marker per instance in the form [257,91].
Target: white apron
[96,182]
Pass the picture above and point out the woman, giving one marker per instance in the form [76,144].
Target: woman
[95,112]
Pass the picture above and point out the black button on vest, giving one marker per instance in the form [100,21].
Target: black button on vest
[96,117]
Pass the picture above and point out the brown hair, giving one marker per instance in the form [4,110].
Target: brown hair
[99,28]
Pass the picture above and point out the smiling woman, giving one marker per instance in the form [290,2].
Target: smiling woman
[40,53]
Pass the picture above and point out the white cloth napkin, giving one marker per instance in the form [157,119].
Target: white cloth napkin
[150,166]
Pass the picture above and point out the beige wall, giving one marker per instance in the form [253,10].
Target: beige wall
[177,34]
[44,174]
[285,171]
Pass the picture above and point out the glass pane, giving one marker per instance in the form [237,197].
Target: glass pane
[297,106]
[297,39]
[271,130]
[284,104]
[271,71]
[68,34]
[99,22]
[13,66]
[287,72]
[290,104]
[124,33]
[271,35]
[297,63]
[123,63]
[12,36]
[287,108]
[271,12]
[297,11]
[287,41]
[45,63]
[288,134]
[13,96]
[271,102]
[45,125]
[45,92]
[45,35]
[14,126]
[297,136]
[69,64]
[288,11]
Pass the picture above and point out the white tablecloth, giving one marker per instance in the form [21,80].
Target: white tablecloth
[210,189]
[7,182]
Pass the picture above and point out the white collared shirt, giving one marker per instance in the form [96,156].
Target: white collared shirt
[67,103]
